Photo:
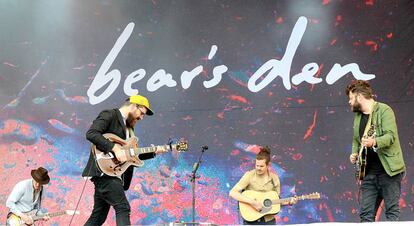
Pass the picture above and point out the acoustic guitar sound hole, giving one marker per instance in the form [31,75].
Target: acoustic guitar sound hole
[267,203]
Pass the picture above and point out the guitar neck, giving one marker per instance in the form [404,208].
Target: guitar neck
[54,214]
[285,201]
[152,149]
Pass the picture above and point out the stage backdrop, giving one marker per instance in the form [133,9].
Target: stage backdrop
[232,75]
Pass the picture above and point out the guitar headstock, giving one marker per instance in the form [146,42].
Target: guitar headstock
[181,146]
[71,212]
[314,195]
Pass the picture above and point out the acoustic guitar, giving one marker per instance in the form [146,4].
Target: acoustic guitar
[111,166]
[271,205]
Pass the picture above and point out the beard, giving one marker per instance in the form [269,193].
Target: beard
[260,172]
[131,121]
[356,107]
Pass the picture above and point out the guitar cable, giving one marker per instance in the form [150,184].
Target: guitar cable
[80,197]
[77,204]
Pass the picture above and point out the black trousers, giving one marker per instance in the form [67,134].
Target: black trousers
[374,189]
[260,221]
[109,192]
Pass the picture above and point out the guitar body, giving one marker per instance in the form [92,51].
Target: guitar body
[361,163]
[251,214]
[14,220]
[270,201]
[111,166]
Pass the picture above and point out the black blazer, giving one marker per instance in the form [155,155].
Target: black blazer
[108,121]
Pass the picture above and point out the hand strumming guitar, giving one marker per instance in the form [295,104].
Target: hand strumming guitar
[119,153]
[368,142]
[257,205]
[27,219]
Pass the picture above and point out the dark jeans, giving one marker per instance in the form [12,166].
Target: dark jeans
[109,192]
[374,189]
[260,221]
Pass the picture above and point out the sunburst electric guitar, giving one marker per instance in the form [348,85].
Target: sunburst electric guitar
[270,203]
[14,220]
[111,166]
[361,162]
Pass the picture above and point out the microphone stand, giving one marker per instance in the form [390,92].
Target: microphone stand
[193,179]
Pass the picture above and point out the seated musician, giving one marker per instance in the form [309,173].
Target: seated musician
[262,180]
[26,197]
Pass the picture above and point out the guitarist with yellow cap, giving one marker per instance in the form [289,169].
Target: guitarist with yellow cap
[109,190]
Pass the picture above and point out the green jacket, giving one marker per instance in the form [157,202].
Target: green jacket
[388,144]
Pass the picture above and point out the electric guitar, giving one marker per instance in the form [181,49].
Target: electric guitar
[111,166]
[271,205]
[361,162]
[14,220]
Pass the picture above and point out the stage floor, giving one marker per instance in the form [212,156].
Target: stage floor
[382,223]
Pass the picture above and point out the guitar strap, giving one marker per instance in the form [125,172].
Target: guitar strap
[367,126]
[274,185]
[131,132]
[39,203]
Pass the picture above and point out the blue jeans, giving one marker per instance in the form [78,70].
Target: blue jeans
[374,189]
[109,192]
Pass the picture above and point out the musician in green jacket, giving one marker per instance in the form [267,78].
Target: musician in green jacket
[384,168]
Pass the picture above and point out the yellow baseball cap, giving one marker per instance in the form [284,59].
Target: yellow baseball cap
[141,100]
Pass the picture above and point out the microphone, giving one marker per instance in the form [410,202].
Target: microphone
[204,147]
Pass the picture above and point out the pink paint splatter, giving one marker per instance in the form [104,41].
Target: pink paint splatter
[369,2]
[187,118]
[238,99]
[326,2]
[338,19]
[311,127]
[374,45]
[279,20]
[235,152]
[297,156]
